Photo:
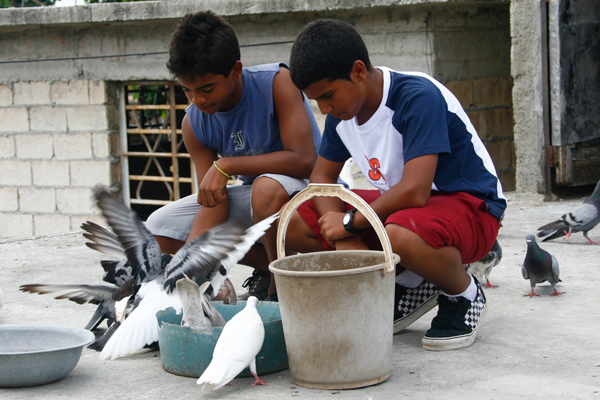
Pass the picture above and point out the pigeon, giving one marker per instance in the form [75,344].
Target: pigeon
[482,268]
[237,347]
[198,312]
[539,266]
[82,294]
[582,219]
[209,257]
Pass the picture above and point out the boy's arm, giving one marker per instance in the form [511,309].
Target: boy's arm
[298,157]
[327,171]
[412,191]
[212,193]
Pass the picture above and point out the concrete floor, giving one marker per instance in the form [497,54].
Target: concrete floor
[533,348]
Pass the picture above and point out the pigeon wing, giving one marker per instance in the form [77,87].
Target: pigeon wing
[142,249]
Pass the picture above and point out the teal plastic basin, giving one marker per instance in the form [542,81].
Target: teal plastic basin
[187,352]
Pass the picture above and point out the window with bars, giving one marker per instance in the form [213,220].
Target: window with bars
[157,168]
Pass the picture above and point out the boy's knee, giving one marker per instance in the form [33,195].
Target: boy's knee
[268,194]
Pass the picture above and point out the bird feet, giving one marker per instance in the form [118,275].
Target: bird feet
[532,294]
[489,285]
[556,293]
[258,381]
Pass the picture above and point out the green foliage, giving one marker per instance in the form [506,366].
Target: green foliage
[25,3]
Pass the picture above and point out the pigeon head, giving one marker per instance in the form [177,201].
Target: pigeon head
[530,238]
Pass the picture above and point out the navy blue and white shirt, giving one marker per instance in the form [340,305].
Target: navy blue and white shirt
[417,116]
[251,127]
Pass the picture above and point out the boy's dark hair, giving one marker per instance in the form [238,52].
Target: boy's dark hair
[326,48]
[202,43]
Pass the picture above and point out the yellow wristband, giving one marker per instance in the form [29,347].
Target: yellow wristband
[220,170]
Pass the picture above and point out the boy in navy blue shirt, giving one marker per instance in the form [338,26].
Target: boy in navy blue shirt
[439,195]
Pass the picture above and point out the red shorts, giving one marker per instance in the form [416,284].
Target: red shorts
[448,219]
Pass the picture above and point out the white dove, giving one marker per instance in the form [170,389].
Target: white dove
[237,347]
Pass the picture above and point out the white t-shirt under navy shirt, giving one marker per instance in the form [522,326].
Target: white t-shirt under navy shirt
[417,116]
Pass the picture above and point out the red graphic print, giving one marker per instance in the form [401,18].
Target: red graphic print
[374,173]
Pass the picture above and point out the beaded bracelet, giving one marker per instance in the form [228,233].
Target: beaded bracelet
[220,170]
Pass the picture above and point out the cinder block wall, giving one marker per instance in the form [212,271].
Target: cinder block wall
[488,103]
[56,142]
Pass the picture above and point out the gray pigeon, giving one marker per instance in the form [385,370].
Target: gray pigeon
[482,268]
[582,219]
[198,312]
[539,266]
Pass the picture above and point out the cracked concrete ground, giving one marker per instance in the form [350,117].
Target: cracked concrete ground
[541,347]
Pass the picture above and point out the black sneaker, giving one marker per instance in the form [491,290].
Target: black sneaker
[412,304]
[456,323]
[258,286]
[272,297]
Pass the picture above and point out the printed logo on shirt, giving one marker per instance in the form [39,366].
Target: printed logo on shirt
[238,139]
[374,173]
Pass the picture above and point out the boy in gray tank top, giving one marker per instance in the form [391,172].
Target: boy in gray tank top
[249,122]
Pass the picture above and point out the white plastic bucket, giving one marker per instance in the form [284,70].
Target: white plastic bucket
[336,306]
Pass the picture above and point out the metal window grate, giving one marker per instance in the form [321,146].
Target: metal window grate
[156,166]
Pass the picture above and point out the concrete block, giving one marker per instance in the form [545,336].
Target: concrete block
[15,225]
[73,92]
[6,96]
[502,153]
[98,94]
[14,119]
[501,122]
[15,173]
[480,121]
[7,146]
[46,118]
[73,146]
[90,173]
[86,118]
[37,200]
[75,201]
[492,92]
[34,146]
[50,173]
[463,92]
[9,199]
[101,147]
[51,223]
[30,93]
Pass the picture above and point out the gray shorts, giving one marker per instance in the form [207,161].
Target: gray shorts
[175,219]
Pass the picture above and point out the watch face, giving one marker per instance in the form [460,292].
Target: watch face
[346,219]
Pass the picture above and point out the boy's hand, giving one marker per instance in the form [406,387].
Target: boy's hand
[332,227]
[212,190]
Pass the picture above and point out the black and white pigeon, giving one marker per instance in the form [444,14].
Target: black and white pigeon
[582,219]
[237,347]
[209,257]
[198,312]
[482,268]
[540,266]
[82,294]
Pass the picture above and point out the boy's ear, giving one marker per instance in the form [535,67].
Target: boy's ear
[236,71]
[359,71]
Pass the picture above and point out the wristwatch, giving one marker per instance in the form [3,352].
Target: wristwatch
[348,220]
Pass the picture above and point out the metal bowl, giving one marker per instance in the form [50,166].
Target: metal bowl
[33,355]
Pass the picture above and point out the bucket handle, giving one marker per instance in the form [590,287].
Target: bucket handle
[321,189]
